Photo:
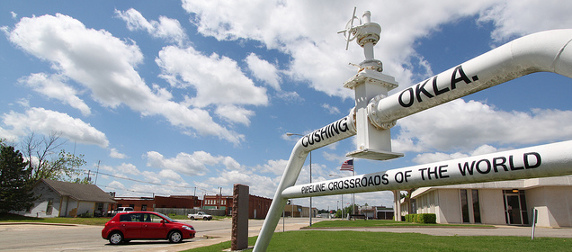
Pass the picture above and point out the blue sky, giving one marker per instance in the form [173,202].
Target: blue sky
[181,95]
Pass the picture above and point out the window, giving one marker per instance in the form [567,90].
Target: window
[143,207]
[151,218]
[476,207]
[125,218]
[464,205]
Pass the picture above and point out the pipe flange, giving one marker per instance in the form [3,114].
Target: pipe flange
[372,114]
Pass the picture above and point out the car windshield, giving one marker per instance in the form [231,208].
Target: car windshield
[165,217]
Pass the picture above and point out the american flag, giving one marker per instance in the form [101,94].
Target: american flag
[348,165]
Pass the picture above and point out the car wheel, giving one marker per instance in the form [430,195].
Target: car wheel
[192,218]
[205,218]
[175,236]
[115,238]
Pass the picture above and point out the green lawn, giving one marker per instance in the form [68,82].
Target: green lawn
[83,221]
[315,240]
[68,220]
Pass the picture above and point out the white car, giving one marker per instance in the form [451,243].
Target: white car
[121,210]
[200,215]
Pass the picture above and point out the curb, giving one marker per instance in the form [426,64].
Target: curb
[38,223]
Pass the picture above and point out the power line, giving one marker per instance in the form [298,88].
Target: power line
[134,180]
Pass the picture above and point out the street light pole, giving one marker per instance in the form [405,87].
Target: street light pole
[331,175]
[311,211]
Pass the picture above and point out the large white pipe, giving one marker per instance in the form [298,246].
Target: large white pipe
[540,52]
[544,51]
[532,162]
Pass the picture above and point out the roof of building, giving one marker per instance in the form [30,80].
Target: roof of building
[80,192]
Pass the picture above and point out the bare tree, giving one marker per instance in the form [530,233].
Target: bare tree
[46,161]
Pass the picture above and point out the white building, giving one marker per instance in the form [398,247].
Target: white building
[498,203]
[64,199]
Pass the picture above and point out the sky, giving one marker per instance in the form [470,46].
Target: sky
[191,97]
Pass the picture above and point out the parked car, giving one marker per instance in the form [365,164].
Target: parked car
[199,216]
[121,210]
[145,225]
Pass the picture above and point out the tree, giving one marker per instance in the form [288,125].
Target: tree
[346,210]
[15,189]
[44,164]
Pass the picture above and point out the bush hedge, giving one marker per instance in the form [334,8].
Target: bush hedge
[421,218]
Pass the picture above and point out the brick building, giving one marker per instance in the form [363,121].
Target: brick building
[257,206]
[149,204]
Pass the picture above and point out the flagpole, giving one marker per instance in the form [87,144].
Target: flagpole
[348,165]
[353,196]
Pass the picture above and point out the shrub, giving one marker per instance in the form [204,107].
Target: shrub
[421,218]
[85,215]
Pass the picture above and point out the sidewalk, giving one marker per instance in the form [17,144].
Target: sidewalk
[497,230]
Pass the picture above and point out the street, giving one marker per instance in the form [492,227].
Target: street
[37,237]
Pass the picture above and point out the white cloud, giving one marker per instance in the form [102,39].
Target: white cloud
[331,109]
[517,18]
[106,66]
[460,125]
[311,39]
[216,79]
[258,184]
[263,70]
[8,135]
[317,52]
[115,185]
[54,86]
[190,164]
[275,167]
[235,114]
[48,121]
[170,175]
[166,28]
[151,177]
[114,153]
[126,168]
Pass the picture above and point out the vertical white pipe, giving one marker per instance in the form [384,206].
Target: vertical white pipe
[331,133]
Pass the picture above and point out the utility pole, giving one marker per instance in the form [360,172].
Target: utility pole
[97,173]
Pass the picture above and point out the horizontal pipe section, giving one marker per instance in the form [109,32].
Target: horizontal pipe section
[532,162]
[540,52]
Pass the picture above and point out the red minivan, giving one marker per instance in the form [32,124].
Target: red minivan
[144,225]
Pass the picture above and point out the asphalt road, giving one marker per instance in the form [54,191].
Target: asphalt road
[34,237]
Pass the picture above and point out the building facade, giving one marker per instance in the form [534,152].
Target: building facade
[64,199]
[299,211]
[257,206]
[218,201]
[150,203]
[498,203]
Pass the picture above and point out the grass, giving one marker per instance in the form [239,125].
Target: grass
[99,221]
[83,221]
[377,241]
[380,223]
